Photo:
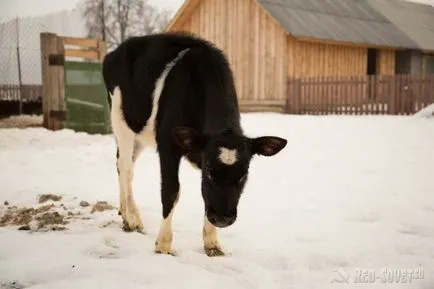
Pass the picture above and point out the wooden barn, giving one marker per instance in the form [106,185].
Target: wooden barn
[269,42]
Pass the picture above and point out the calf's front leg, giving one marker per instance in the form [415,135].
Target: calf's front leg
[210,242]
[169,165]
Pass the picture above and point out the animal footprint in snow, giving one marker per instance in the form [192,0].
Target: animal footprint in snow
[416,230]
[111,243]
[428,209]
[108,250]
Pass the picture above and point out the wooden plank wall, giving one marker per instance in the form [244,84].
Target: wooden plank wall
[317,62]
[253,41]
[261,53]
[386,61]
[385,66]
[313,59]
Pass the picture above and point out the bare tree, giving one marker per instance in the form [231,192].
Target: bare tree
[154,21]
[125,14]
[116,20]
[95,13]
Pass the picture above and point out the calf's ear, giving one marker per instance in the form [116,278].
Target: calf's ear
[187,138]
[268,145]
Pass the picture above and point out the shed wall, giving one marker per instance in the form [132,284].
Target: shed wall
[311,59]
[316,59]
[386,61]
[253,41]
[262,55]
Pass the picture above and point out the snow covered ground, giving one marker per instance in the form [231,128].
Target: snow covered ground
[349,197]
[427,111]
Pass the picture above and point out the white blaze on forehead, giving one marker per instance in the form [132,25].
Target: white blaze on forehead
[228,156]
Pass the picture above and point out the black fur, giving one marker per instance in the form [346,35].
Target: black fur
[198,113]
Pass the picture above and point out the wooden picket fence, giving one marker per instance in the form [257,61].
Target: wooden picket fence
[376,94]
[25,93]
[19,99]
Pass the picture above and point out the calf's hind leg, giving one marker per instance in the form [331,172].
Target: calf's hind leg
[138,149]
[125,151]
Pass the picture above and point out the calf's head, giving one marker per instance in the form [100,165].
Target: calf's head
[224,162]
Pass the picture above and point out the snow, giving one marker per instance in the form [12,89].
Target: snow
[427,111]
[348,193]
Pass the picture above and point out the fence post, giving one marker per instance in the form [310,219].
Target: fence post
[53,86]
[60,109]
[297,96]
[392,99]
[430,88]
[288,96]
[20,77]
[293,101]
[46,46]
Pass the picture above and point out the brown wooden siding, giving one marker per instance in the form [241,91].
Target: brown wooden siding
[262,55]
[313,59]
[310,59]
[253,41]
[386,61]
[322,61]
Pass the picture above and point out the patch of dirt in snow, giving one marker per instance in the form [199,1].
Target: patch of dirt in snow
[101,207]
[46,197]
[47,217]
[84,204]
[21,121]
[39,218]
[51,218]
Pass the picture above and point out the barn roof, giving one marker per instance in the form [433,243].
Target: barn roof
[391,23]
[415,20]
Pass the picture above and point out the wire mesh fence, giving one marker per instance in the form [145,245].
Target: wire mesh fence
[20,52]
[20,73]
[20,57]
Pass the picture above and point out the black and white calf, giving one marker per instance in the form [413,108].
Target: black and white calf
[176,92]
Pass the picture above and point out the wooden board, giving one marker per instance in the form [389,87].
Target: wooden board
[87,54]
[82,42]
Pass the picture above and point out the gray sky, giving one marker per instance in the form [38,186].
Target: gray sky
[22,8]
[14,8]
